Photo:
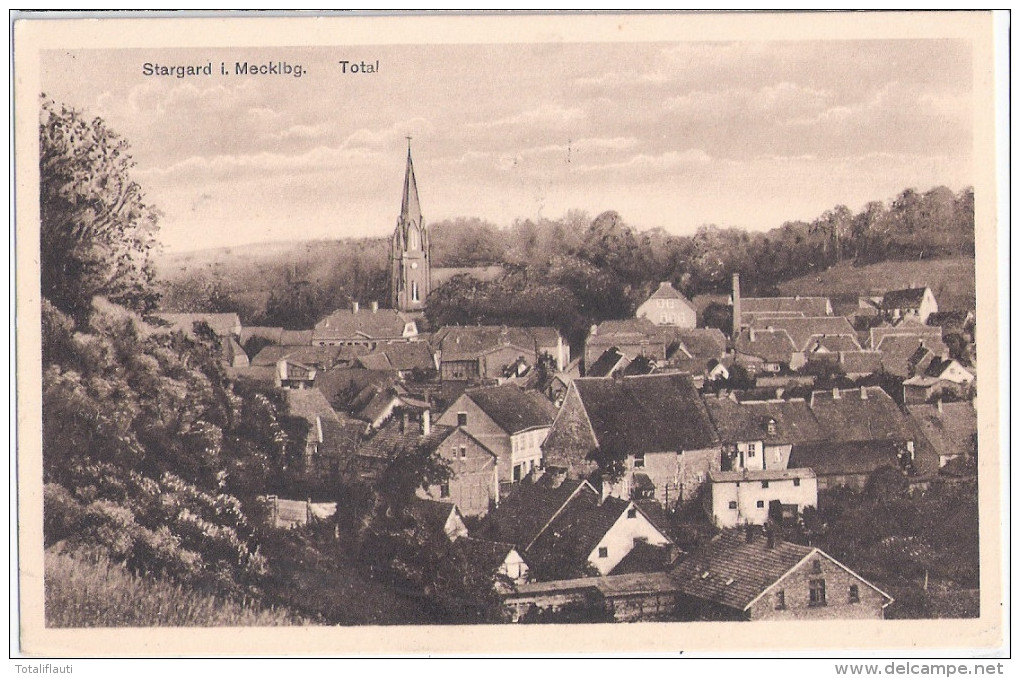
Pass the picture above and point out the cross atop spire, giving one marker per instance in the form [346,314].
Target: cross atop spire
[410,208]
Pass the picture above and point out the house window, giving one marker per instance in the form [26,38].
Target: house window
[632,512]
[771,427]
[764,484]
[463,452]
[816,566]
[750,452]
[639,460]
[816,593]
[780,599]
[855,594]
[603,552]
[760,504]
[517,472]
[733,504]
[444,490]
[462,419]
[796,482]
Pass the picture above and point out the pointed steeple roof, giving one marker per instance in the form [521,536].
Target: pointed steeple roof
[410,208]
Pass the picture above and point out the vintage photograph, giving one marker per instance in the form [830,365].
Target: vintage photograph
[531,330]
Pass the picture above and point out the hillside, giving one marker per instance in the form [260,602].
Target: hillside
[951,279]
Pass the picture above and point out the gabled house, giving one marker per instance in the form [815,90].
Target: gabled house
[482,353]
[402,358]
[914,303]
[953,322]
[440,517]
[633,338]
[666,306]
[611,362]
[509,421]
[950,429]
[701,352]
[655,427]
[565,528]
[755,497]
[502,561]
[328,436]
[763,351]
[740,575]
[902,353]
[360,327]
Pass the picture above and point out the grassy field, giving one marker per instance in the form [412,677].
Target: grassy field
[951,280]
[84,594]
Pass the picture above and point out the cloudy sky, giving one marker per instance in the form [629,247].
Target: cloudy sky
[671,135]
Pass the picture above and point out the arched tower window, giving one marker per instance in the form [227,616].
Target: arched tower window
[414,291]
[412,238]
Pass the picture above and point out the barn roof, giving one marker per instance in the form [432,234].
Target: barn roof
[803,330]
[772,346]
[908,298]
[470,342]
[653,413]
[512,408]
[863,414]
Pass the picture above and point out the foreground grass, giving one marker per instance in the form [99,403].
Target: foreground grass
[80,593]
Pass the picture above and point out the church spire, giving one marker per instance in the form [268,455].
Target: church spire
[410,208]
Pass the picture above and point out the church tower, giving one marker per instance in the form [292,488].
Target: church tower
[410,274]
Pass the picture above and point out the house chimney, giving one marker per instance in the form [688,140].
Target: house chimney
[375,307]
[864,392]
[354,307]
[938,404]
[736,305]
[835,394]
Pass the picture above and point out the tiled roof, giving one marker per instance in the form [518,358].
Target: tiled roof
[806,306]
[734,421]
[729,571]
[343,324]
[851,417]
[703,343]
[513,409]
[908,298]
[767,474]
[340,438]
[484,555]
[319,356]
[632,327]
[860,362]
[956,320]
[347,381]
[468,343]
[654,413]
[296,337]
[771,346]
[880,333]
[667,291]
[950,431]
[803,330]
[221,324]
[795,422]
[389,440]
[308,404]
[832,457]
[606,364]
[523,513]
[645,557]
[272,334]
[431,513]
[575,532]
[834,343]
[898,349]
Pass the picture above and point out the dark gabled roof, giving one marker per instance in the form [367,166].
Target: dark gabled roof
[703,343]
[654,413]
[831,457]
[530,506]
[340,438]
[484,555]
[908,298]
[772,346]
[470,342]
[575,532]
[400,356]
[272,334]
[634,328]
[390,440]
[734,421]
[950,431]
[384,323]
[296,337]
[803,330]
[645,557]
[430,513]
[319,356]
[852,418]
[667,291]
[897,351]
[951,319]
[308,404]
[513,409]
[879,334]
[729,571]
[834,343]
[221,324]
[606,363]
[860,362]
[795,422]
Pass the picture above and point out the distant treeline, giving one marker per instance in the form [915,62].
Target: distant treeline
[576,270]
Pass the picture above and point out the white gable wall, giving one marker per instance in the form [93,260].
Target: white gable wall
[620,539]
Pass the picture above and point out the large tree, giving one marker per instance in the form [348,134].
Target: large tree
[96,231]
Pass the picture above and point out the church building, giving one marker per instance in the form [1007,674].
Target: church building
[410,264]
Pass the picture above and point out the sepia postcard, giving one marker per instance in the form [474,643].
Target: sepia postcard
[343,335]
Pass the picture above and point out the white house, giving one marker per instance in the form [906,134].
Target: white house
[666,306]
[745,497]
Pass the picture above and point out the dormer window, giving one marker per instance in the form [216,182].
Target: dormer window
[770,426]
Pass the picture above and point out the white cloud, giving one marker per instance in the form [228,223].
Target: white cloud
[546,115]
